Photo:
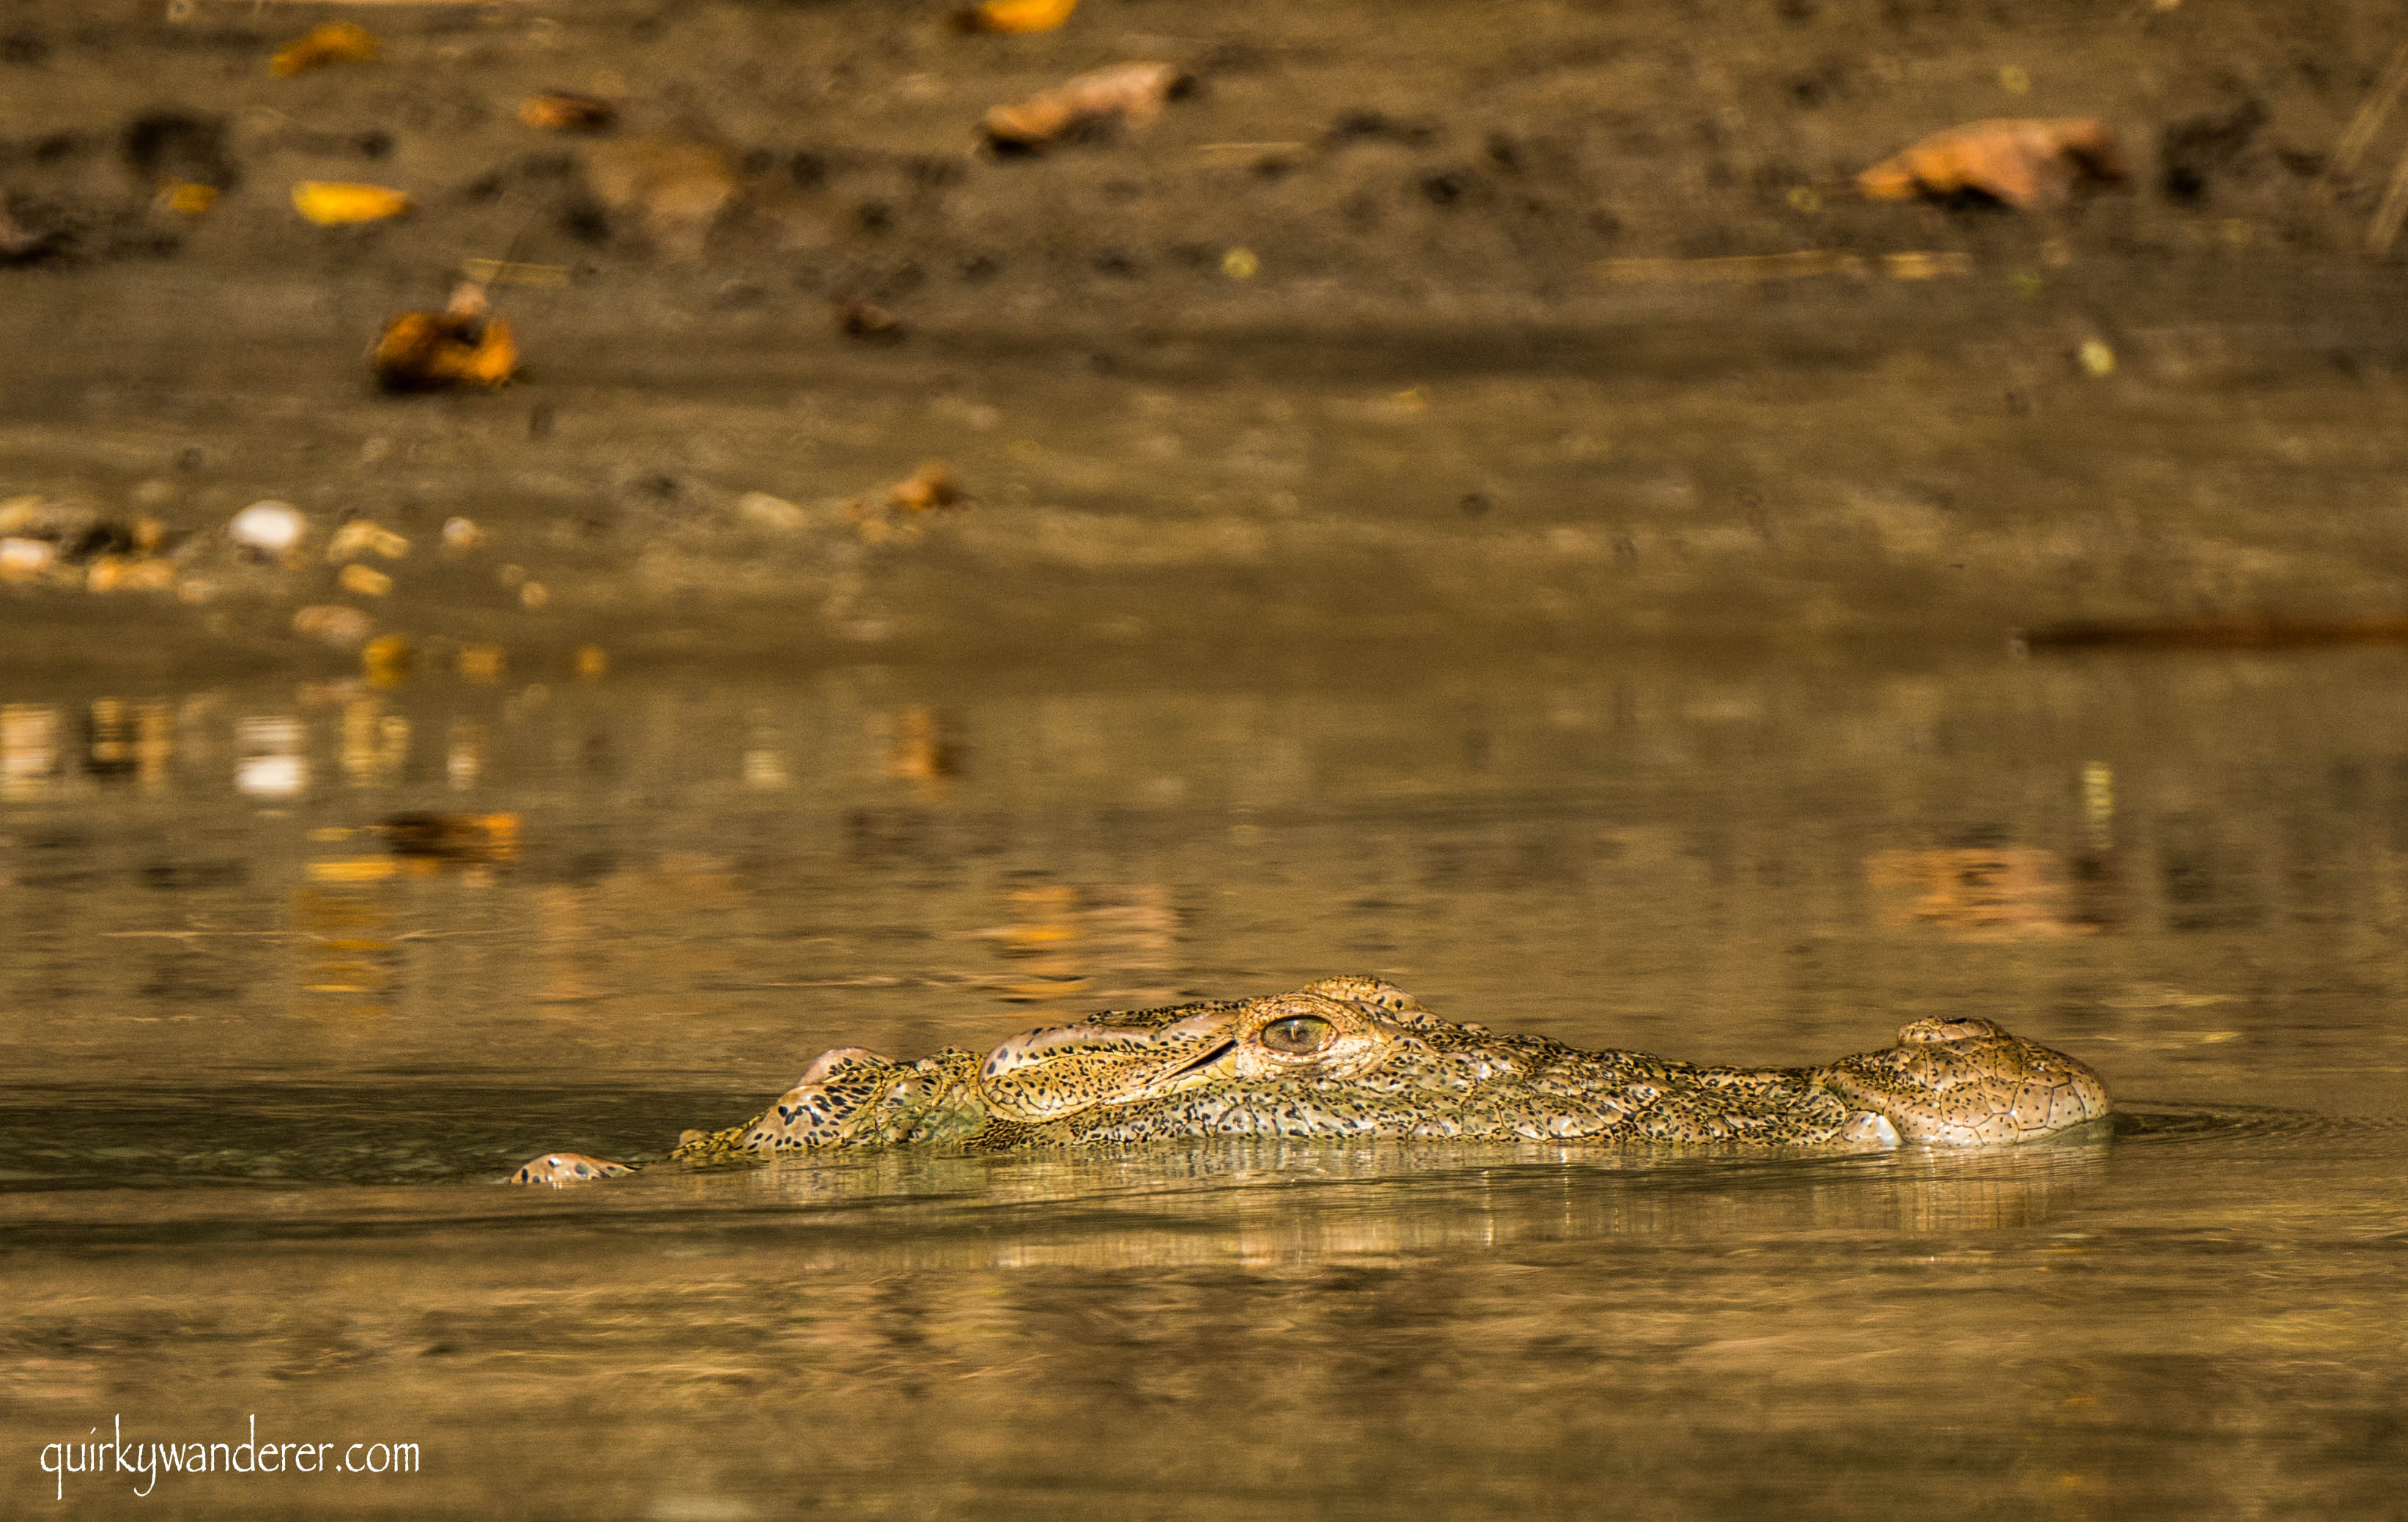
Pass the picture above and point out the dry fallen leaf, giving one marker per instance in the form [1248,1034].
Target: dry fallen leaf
[467,346]
[331,203]
[1123,93]
[337,42]
[23,560]
[1016,15]
[20,244]
[857,317]
[362,534]
[929,487]
[2024,161]
[185,197]
[117,573]
[564,110]
[924,490]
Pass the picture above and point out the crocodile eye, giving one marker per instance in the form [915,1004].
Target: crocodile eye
[1299,1035]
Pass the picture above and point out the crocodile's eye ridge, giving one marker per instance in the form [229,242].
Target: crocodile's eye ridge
[1299,1035]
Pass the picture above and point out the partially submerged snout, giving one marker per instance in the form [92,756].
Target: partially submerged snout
[1968,1083]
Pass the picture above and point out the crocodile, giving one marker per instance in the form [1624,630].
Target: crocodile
[1357,1056]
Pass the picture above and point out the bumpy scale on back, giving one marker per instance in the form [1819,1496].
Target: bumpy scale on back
[1358,1058]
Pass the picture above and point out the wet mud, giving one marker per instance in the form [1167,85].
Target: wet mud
[1413,328]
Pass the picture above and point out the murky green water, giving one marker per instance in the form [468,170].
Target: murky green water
[291,976]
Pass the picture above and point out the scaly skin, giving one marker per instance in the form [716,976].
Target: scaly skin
[1357,1057]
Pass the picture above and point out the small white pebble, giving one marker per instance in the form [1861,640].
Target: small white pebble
[360,536]
[269,528]
[22,558]
[461,534]
[333,623]
[759,510]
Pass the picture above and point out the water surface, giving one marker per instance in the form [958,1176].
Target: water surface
[294,974]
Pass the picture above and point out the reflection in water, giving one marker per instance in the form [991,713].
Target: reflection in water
[764,760]
[452,836]
[566,944]
[463,757]
[710,885]
[376,744]
[1267,1202]
[920,748]
[1115,946]
[269,761]
[2098,804]
[1994,892]
[1128,849]
[347,946]
[29,748]
[108,738]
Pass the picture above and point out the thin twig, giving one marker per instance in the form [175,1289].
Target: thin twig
[2359,135]
[2387,216]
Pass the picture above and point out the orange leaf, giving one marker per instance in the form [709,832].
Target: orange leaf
[337,42]
[2024,161]
[331,202]
[1019,15]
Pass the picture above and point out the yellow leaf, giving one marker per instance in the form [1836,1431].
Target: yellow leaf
[331,202]
[386,659]
[1021,15]
[186,198]
[352,869]
[337,42]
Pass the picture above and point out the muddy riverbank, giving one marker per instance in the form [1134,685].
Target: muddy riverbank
[1387,331]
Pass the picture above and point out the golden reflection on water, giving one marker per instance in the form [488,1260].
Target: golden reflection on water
[1140,848]
[271,763]
[566,946]
[1113,945]
[1771,867]
[1285,1203]
[1995,893]
[108,738]
[29,749]
[920,747]
[375,743]
[346,948]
